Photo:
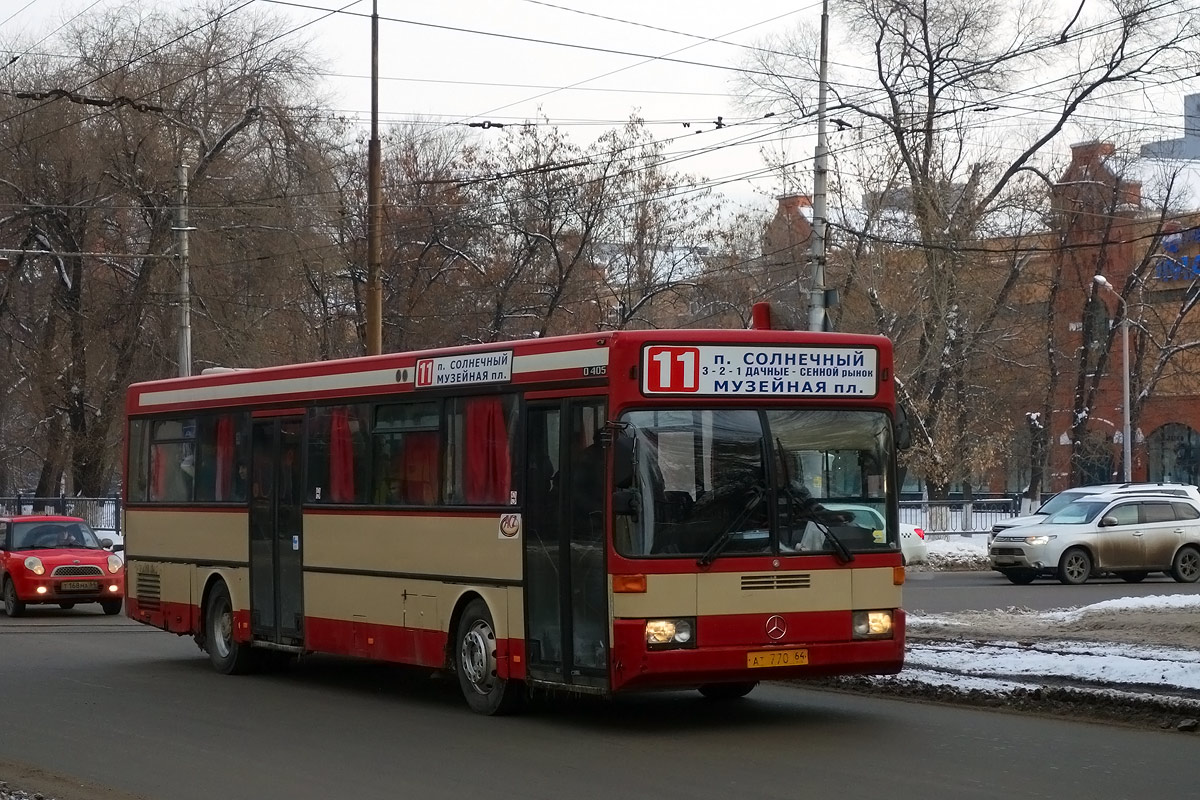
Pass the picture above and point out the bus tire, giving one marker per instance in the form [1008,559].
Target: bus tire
[228,657]
[727,691]
[475,664]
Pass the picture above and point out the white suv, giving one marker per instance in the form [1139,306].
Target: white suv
[1068,496]
[1128,534]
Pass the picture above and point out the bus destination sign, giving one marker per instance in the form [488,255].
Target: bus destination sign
[723,370]
[495,367]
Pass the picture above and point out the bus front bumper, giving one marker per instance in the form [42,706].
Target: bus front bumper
[656,669]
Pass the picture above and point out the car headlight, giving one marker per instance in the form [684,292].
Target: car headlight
[871,624]
[114,563]
[1037,539]
[666,634]
[34,565]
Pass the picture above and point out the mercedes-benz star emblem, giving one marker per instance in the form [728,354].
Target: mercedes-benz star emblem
[776,627]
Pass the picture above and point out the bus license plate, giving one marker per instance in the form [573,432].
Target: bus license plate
[777,658]
[79,586]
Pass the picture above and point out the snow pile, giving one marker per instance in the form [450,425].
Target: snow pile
[15,794]
[957,553]
[1131,659]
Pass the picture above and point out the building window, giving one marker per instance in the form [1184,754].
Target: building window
[1173,454]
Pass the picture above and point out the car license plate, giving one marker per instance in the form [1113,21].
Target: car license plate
[777,658]
[79,586]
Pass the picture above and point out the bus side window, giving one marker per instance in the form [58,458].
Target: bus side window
[479,450]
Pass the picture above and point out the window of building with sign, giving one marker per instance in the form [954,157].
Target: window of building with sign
[1173,454]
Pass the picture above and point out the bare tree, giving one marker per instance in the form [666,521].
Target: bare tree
[942,73]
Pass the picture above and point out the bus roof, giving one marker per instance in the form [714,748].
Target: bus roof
[558,359]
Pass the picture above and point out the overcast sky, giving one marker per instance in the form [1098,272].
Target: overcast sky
[464,61]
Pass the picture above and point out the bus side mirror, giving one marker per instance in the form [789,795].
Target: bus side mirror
[626,503]
[903,428]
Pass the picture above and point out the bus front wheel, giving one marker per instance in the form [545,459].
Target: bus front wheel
[227,656]
[475,663]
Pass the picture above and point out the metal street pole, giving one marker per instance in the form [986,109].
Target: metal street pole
[374,203]
[181,230]
[816,294]
[1126,438]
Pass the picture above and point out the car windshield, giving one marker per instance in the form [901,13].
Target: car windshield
[50,535]
[1061,501]
[725,482]
[1078,513]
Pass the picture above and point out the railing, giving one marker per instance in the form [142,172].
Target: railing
[964,518]
[102,513]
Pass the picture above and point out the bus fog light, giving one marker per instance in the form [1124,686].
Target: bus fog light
[664,634]
[872,624]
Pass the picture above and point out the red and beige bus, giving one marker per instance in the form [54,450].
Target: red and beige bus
[591,513]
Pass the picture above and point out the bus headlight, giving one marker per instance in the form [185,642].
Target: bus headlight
[114,563]
[667,634]
[34,565]
[872,624]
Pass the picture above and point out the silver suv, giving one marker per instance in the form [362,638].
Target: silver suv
[1129,534]
[1068,496]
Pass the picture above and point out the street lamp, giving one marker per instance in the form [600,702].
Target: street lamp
[1126,440]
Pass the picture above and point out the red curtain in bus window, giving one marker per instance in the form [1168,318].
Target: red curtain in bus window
[488,469]
[420,468]
[341,458]
[158,473]
[224,458]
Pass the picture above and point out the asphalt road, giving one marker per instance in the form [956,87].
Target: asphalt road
[942,592]
[111,704]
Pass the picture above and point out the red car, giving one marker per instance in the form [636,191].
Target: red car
[45,559]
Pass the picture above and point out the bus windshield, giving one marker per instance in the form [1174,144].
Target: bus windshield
[752,481]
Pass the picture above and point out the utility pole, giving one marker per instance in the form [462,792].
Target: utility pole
[816,294]
[374,234]
[181,230]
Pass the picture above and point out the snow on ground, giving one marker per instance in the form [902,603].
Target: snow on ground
[956,552]
[1144,649]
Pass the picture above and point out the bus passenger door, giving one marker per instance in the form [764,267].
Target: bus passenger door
[566,589]
[276,566]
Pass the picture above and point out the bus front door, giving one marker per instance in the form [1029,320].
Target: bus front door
[277,488]
[566,592]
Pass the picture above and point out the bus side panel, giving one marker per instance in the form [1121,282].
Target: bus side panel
[388,611]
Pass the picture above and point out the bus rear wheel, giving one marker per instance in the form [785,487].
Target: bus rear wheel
[228,657]
[476,666]
[727,691]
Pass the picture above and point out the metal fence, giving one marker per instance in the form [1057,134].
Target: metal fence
[964,518]
[937,518]
[102,513]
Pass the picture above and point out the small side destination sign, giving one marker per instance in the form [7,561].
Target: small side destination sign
[715,370]
[470,368]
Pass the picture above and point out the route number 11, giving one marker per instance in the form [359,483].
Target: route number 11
[672,369]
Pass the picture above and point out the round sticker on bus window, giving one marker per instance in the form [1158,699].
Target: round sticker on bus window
[510,526]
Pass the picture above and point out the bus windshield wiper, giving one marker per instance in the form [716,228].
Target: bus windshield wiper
[722,541]
[808,507]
